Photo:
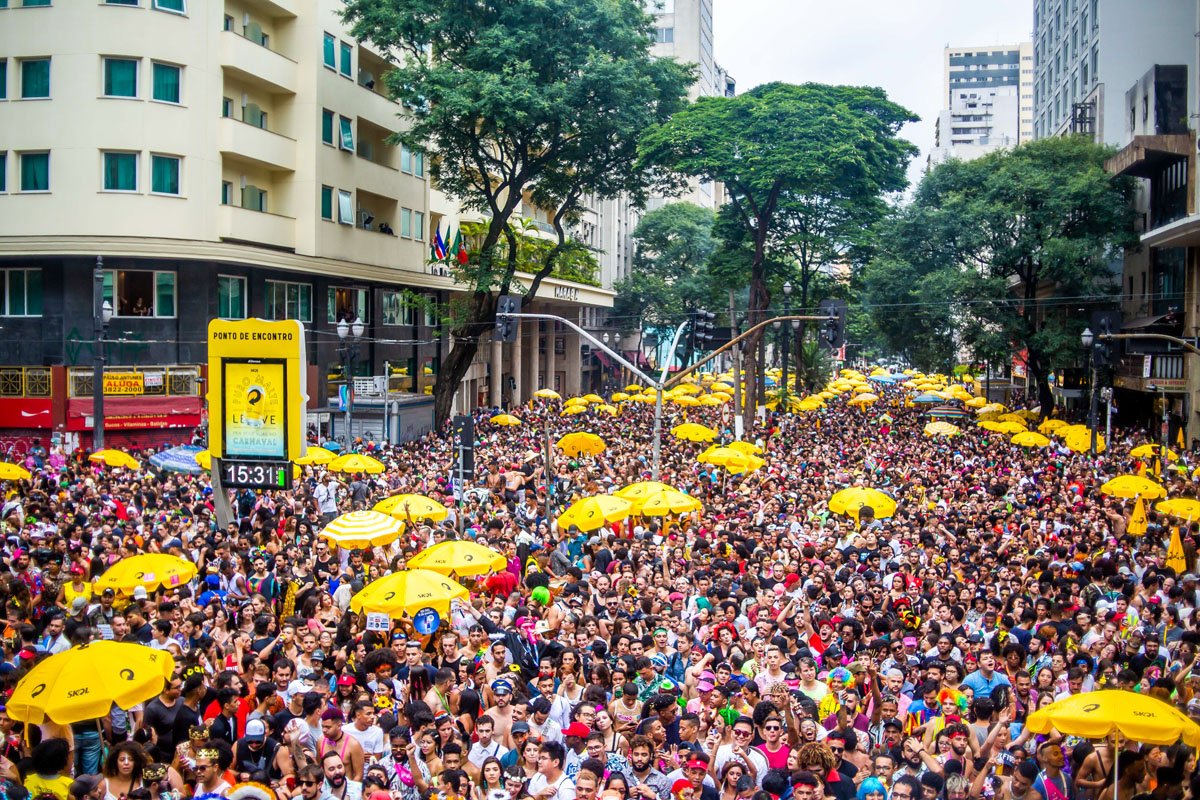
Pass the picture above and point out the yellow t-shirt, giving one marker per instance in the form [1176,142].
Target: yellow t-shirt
[70,592]
[59,786]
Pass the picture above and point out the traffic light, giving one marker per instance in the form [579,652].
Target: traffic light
[506,325]
[703,328]
[833,331]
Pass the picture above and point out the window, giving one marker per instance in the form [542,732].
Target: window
[120,77]
[326,126]
[3,172]
[418,225]
[330,51]
[287,300]
[32,3]
[231,297]
[406,222]
[347,304]
[35,172]
[120,172]
[327,202]
[226,192]
[226,106]
[398,309]
[164,174]
[418,164]
[176,6]
[664,35]
[431,310]
[229,23]
[346,54]
[345,208]
[22,290]
[166,82]
[140,293]
[3,78]
[347,134]
[121,2]
[405,159]
[35,78]
[254,198]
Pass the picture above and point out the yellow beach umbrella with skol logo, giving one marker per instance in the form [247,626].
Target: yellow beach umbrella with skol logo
[407,592]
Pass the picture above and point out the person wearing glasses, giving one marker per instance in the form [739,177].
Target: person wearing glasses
[210,778]
[906,788]
[309,782]
[740,750]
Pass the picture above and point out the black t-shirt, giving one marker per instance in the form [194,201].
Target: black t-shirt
[162,719]
[185,718]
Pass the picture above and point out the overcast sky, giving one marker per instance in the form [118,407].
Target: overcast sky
[893,44]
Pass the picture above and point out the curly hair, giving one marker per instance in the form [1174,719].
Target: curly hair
[817,753]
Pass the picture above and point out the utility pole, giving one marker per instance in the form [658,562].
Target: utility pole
[102,313]
[739,421]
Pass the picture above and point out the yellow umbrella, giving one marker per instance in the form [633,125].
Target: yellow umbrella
[547,394]
[575,401]
[408,592]
[355,462]
[942,429]
[685,400]
[720,456]
[849,501]
[204,459]
[1185,508]
[13,472]
[579,443]
[687,388]
[749,448]
[633,387]
[619,396]
[693,432]
[465,559]
[749,463]
[1001,427]
[1081,442]
[507,420]
[360,529]
[412,507]
[314,456]
[864,399]
[1131,486]
[593,398]
[1016,419]
[1052,425]
[641,490]
[611,410]
[669,501]
[572,410]
[592,513]
[1152,450]
[150,570]
[720,386]
[1176,556]
[1097,714]
[976,402]
[84,683]
[114,458]
[1031,439]
[990,407]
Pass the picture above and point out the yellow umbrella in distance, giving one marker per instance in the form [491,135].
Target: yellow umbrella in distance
[1031,439]
[748,448]
[150,570]
[359,529]
[1095,715]
[204,459]
[572,410]
[1185,508]
[606,408]
[633,388]
[849,501]
[465,559]
[864,399]
[941,428]
[547,394]
[668,501]
[1052,425]
[693,432]
[618,397]
[505,420]
[1132,486]
[991,407]
[84,683]
[749,463]
[575,401]
[1081,442]
[1152,450]
[407,592]
[641,490]
[315,456]
[114,458]
[412,507]
[594,399]
[355,462]
[1016,419]
[720,456]
[720,386]
[976,402]
[580,443]
[13,472]
[592,513]
[685,400]
[1001,427]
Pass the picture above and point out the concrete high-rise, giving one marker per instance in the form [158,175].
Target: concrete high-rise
[988,100]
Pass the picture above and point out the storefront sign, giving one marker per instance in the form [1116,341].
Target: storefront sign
[566,293]
[257,388]
[124,383]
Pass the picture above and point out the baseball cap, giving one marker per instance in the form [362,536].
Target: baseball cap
[520,727]
[256,731]
[577,729]
[696,763]
[84,785]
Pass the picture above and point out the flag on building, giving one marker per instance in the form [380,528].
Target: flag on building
[439,245]
[459,250]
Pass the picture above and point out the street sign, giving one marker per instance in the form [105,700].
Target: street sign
[463,429]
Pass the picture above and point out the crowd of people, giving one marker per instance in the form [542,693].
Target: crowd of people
[764,648]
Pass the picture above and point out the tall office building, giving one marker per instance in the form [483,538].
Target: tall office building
[987,92]
[1087,53]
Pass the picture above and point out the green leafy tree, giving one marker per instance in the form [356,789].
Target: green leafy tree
[989,249]
[779,147]
[670,266]
[523,100]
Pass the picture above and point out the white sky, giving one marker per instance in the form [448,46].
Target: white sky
[893,44]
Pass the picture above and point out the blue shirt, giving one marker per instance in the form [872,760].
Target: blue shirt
[981,686]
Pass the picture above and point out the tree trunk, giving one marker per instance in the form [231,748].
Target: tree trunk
[1042,379]
[454,369]
[759,300]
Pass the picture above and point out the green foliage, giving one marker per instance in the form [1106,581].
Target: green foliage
[670,269]
[574,261]
[522,100]
[982,255]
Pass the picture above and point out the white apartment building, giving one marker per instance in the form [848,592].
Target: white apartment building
[985,92]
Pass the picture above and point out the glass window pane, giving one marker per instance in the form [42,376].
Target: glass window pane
[418,225]
[120,172]
[326,126]
[16,292]
[345,210]
[3,172]
[419,165]
[305,314]
[330,51]
[170,5]
[405,222]
[166,83]
[35,78]
[120,77]
[405,159]
[29,3]
[35,172]
[326,202]
[109,279]
[3,78]
[347,134]
[164,294]
[164,174]
[33,292]
[346,56]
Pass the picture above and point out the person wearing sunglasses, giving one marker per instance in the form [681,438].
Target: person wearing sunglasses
[309,780]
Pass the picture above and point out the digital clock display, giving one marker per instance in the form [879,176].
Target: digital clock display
[241,474]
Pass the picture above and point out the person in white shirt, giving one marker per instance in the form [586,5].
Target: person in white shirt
[368,734]
[486,747]
[551,781]
[326,496]
[742,752]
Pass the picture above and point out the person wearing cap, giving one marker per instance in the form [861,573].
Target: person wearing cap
[88,787]
[520,735]
[502,713]
[258,757]
[575,738]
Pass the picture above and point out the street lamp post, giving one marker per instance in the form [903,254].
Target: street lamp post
[786,343]
[102,314]
[350,335]
[1090,343]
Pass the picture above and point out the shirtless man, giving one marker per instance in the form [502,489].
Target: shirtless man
[502,712]
[335,739]
[498,665]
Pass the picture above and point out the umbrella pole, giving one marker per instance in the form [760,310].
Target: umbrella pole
[1116,761]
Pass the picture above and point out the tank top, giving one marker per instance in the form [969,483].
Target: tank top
[70,592]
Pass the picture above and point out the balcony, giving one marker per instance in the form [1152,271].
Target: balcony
[257,65]
[256,227]
[257,145]
[1139,371]
[370,247]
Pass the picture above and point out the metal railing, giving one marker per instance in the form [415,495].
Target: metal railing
[181,381]
[26,382]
